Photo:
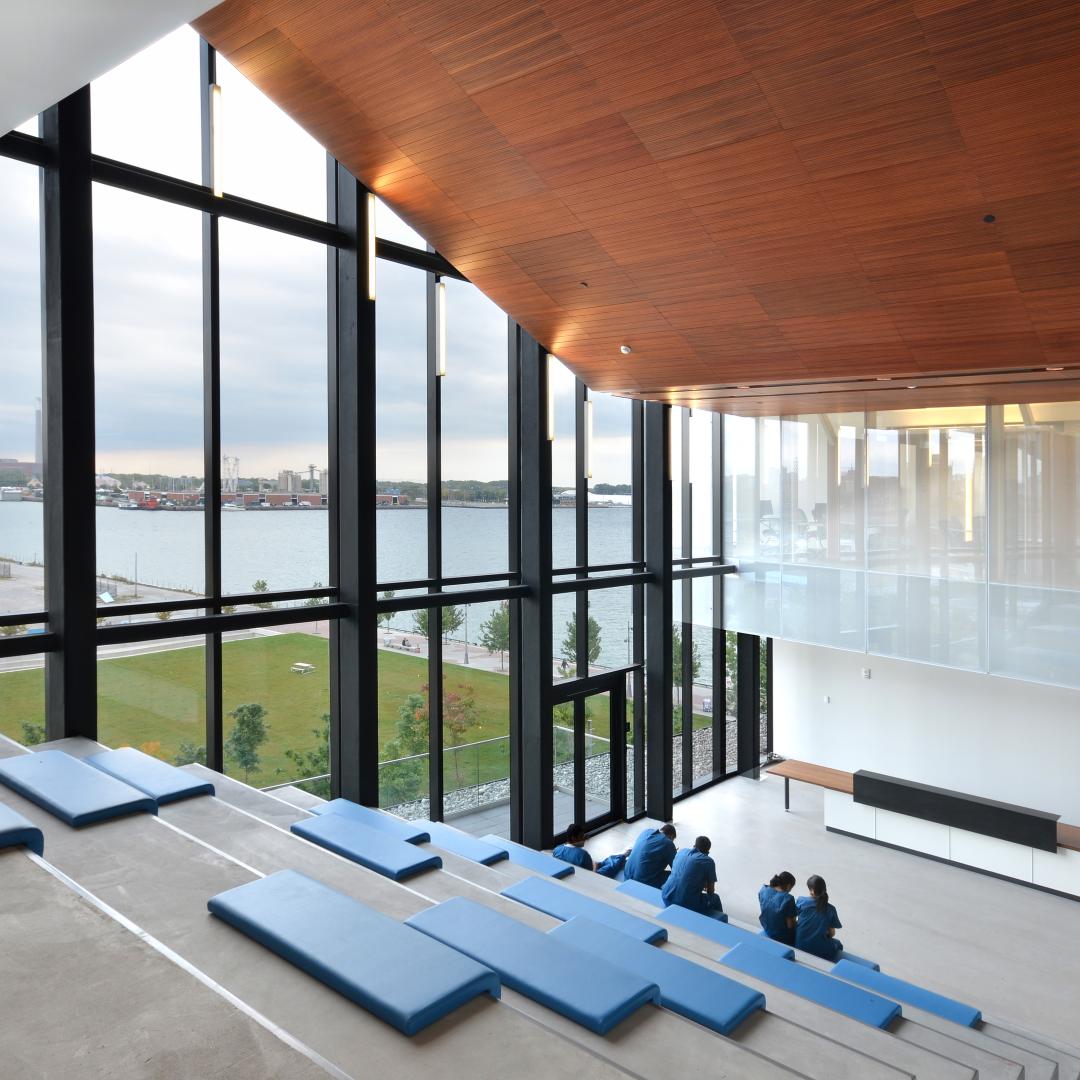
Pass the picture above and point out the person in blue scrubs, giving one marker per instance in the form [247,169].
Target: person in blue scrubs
[572,850]
[778,911]
[653,852]
[693,880]
[818,922]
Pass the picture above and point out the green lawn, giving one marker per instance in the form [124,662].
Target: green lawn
[156,701]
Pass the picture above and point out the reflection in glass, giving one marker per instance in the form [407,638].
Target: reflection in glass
[156,701]
[273,410]
[401,424]
[22,580]
[474,432]
[148,398]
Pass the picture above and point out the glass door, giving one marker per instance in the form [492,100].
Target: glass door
[588,720]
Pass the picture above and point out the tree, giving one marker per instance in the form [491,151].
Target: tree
[315,762]
[459,714]
[228,609]
[11,631]
[250,730]
[402,775]
[677,656]
[569,645]
[452,618]
[382,618]
[190,754]
[316,601]
[260,586]
[495,632]
[32,733]
[164,616]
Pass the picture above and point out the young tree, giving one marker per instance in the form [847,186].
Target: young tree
[316,601]
[495,632]
[260,586]
[315,762]
[13,630]
[402,776]
[250,730]
[459,714]
[190,754]
[452,618]
[569,645]
[32,733]
[382,618]
[677,659]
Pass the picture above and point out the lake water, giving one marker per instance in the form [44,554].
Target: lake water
[288,549]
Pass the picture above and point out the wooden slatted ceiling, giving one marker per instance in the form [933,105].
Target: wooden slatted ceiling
[785,195]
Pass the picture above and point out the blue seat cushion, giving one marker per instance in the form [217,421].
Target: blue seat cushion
[164,783]
[384,854]
[813,985]
[70,789]
[461,843]
[557,900]
[402,976]
[375,819]
[536,861]
[640,891]
[873,965]
[15,831]
[593,993]
[908,993]
[722,933]
[693,991]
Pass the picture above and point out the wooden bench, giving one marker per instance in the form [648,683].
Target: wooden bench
[1068,836]
[820,775]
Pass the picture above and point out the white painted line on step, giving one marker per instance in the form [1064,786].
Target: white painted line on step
[263,1021]
[209,847]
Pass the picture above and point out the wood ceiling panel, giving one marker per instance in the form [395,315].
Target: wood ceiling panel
[771,193]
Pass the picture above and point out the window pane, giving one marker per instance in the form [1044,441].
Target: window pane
[701,482]
[752,523]
[22,581]
[675,448]
[154,701]
[1035,541]
[276,704]
[388,226]
[148,397]
[401,422]
[563,467]
[476,717]
[611,533]
[822,529]
[474,434]
[267,156]
[22,699]
[403,714]
[147,111]
[273,410]
[926,535]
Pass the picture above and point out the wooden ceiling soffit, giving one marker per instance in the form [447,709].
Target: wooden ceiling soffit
[811,197]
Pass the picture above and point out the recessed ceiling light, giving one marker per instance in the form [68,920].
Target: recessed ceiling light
[989,219]
[625,350]
[1055,369]
[583,284]
[884,378]
[913,388]
[742,387]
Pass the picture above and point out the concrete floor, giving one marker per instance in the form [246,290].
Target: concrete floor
[1011,950]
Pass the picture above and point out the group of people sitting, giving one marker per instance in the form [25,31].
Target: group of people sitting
[687,877]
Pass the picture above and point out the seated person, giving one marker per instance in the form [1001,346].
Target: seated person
[653,852]
[572,850]
[778,911]
[818,922]
[693,880]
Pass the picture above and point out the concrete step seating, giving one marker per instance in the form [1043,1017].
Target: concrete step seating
[915,1034]
[158,873]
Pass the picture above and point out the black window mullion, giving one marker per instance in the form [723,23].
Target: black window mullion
[211,352]
[637,443]
[686,629]
[434,554]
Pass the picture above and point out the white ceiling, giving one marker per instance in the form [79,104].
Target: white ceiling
[49,48]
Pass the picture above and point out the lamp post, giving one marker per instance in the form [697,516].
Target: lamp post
[466,633]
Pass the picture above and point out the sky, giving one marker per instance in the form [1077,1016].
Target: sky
[148,307]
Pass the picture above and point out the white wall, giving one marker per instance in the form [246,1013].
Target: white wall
[999,738]
[49,48]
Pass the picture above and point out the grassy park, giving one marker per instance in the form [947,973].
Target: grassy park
[155,701]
